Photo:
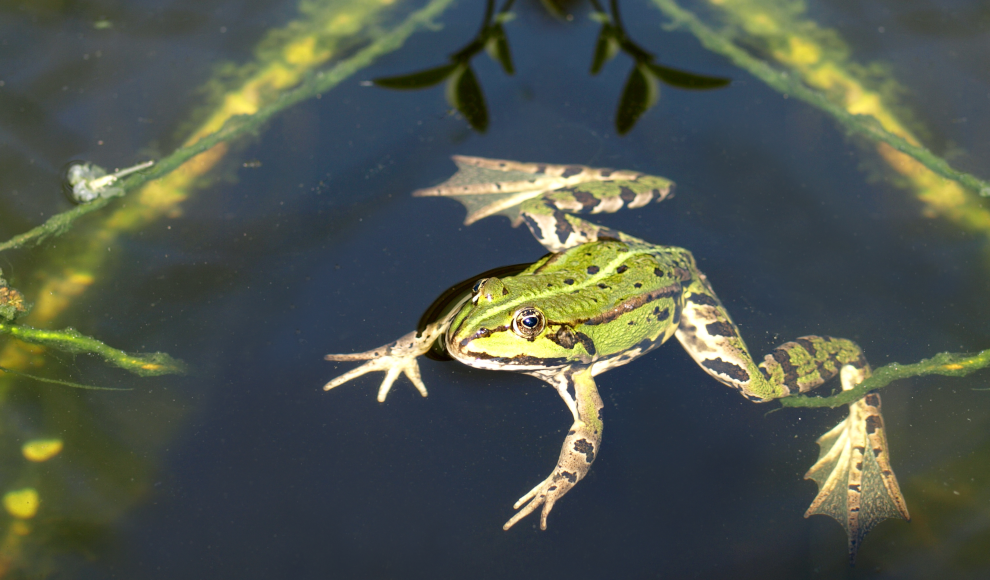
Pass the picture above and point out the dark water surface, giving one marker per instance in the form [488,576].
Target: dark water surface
[245,468]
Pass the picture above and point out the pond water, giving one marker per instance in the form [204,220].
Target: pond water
[304,240]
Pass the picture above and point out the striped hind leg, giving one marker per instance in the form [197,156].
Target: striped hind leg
[711,338]
[857,486]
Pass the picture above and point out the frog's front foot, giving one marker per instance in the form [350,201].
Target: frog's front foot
[546,494]
[578,452]
[393,358]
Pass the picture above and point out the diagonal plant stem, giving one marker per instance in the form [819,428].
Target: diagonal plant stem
[56,225]
[946,363]
[790,84]
[238,125]
[58,382]
[71,341]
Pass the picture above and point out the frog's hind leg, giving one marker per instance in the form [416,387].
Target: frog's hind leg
[558,230]
[552,217]
[580,446]
[708,334]
[857,486]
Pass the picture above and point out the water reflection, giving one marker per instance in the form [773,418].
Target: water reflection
[264,271]
[640,93]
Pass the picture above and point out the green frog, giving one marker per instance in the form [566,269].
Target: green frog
[603,298]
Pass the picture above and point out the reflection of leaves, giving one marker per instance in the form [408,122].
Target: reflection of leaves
[464,94]
[685,80]
[642,88]
[605,48]
[497,47]
[463,90]
[417,80]
[641,93]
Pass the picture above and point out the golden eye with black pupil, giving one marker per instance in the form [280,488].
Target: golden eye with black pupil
[528,322]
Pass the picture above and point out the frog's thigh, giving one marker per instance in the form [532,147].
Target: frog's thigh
[707,333]
[557,229]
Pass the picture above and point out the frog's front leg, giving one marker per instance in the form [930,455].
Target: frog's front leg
[580,446]
[395,358]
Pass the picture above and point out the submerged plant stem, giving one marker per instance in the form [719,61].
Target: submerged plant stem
[70,340]
[58,382]
[959,206]
[282,75]
[946,363]
[56,225]
[237,125]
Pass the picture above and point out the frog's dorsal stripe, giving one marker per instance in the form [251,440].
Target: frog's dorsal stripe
[591,280]
[456,294]
[633,303]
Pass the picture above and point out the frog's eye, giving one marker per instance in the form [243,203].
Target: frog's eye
[528,322]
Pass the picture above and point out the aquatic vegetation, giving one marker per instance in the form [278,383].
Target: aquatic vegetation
[12,303]
[326,45]
[285,74]
[813,65]
[947,364]
[642,88]
[71,341]
[640,93]
[462,89]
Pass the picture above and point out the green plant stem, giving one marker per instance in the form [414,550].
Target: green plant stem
[71,341]
[58,382]
[791,85]
[56,225]
[946,363]
[314,85]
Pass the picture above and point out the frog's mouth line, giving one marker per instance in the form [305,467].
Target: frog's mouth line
[481,360]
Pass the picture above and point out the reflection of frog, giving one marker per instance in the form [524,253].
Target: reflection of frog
[604,298]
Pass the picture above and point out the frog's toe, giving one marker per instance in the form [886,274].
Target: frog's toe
[546,494]
[395,358]
[410,368]
[351,374]
[392,366]
[412,373]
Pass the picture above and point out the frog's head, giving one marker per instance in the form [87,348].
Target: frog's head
[508,325]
